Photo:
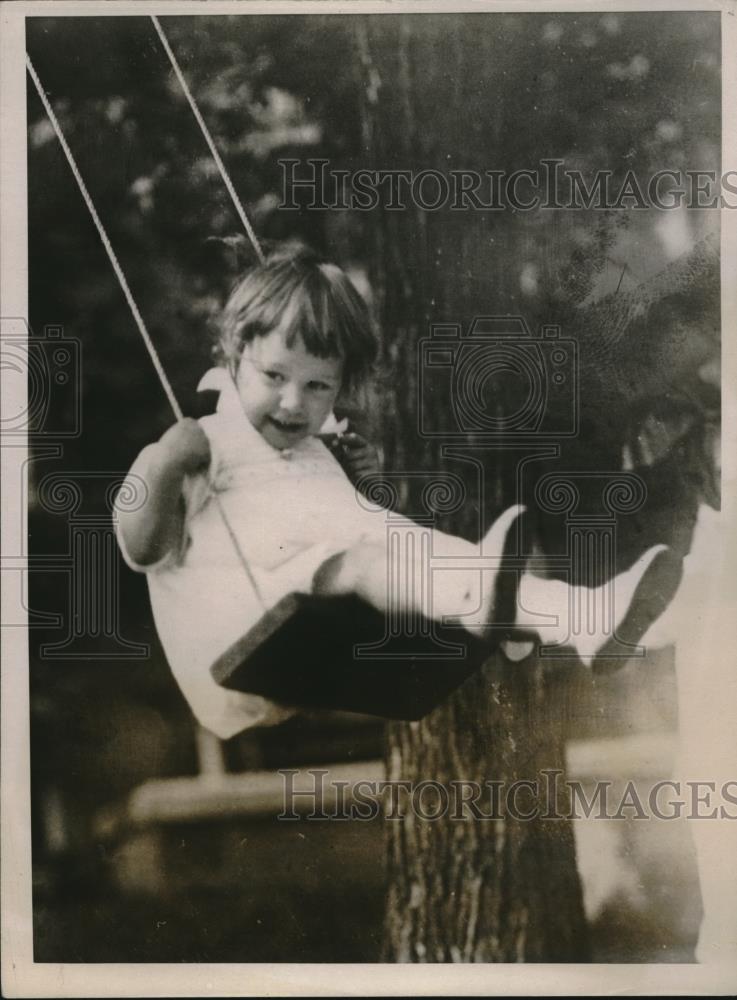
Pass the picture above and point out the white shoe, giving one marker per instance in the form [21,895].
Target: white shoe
[492,544]
[601,623]
[605,608]
[491,547]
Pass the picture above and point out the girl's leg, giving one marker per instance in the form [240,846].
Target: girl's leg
[560,614]
[404,582]
[586,618]
[348,573]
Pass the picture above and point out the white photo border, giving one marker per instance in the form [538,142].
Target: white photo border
[21,977]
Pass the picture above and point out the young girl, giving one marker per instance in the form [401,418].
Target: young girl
[251,495]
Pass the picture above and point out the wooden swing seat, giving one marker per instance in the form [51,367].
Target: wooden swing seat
[311,652]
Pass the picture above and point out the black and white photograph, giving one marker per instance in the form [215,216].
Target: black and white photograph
[368,537]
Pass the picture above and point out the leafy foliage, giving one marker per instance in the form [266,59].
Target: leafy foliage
[621,92]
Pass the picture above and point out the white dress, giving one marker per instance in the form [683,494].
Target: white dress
[289,510]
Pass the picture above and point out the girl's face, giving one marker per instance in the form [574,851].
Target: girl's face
[287,393]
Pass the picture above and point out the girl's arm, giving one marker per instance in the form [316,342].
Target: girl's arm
[155,527]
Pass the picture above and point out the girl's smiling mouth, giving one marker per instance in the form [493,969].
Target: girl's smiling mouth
[287,427]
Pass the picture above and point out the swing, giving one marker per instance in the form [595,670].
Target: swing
[287,658]
[369,664]
[322,652]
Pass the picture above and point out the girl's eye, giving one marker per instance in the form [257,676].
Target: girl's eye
[276,377]
[319,386]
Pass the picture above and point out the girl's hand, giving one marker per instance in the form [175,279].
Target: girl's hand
[184,448]
[358,457]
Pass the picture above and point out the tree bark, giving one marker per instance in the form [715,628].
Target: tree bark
[495,889]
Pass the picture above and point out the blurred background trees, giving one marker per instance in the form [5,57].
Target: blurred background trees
[501,92]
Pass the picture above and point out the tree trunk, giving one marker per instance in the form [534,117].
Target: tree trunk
[474,889]
[494,888]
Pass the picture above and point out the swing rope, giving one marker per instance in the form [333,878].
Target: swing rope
[208,139]
[166,385]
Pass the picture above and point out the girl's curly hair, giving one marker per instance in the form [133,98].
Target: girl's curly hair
[305,296]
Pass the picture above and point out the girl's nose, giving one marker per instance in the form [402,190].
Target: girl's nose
[291,397]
